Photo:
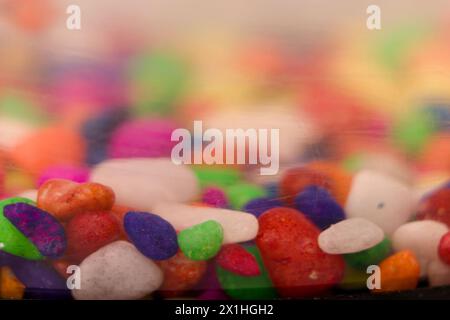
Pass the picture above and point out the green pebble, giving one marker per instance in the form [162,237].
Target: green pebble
[372,256]
[413,131]
[202,241]
[220,177]
[240,194]
[165,76]
[14,242]
[354,279]
[245,288]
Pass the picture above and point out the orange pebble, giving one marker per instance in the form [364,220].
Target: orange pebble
[10,286]
[180,274]
[48,147]
[64,198]
[400,271]
[320,173]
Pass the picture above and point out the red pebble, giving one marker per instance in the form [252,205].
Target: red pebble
[444,248]
[180,274]
[436,207]
[297,266]
[236,259]
[88,232]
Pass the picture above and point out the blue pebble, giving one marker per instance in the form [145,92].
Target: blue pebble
[40,279]
[319,206]
[260,205]
[153,236]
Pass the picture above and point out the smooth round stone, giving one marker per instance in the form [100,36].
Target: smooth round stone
[319,206]
[219,177]
[153,236]
[14,241]
[117,271]
[97,132]
[372,256]
[72,173]
[380,199]
[237,226]
[64,199]
[259,205]
[202,241]
[141,183]
[240,194]
[41,228]
[142,138]
[349,236]
[247,287]
[421,237]
[297,266]
[438,273]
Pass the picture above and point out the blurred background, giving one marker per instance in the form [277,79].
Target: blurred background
[310,68]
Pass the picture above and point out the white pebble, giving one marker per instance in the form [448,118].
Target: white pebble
[383,200]
[237,226]
[350,236]
[141,183]
[117,271]
[421,237]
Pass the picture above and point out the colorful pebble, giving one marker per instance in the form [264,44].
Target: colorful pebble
[64,198]
[125,274]
[41,228]
[297,266]
[319,207]
[202,241]
[236,259]
[153,236]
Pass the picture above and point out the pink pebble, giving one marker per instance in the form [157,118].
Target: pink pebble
[143,138]
[76,174]
[215,197]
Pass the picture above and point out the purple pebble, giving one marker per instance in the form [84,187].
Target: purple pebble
[40,279]
[259,205]
[215,197]
[41,228]
[153,236]
[319,206]
[76,174]
[142,138]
